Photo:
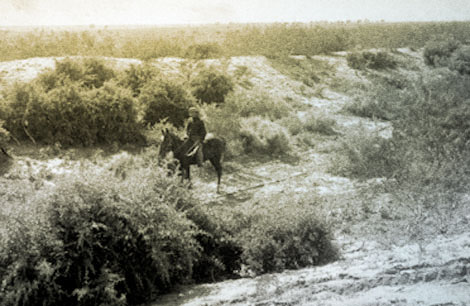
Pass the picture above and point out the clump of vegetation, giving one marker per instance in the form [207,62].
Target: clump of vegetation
[162,99]
[255,102]
[285,237]
[438,52]
[371,60]
[87,72]
[211,86]
[129,232]
[229,119]
[460,60]
[203,51]
[77,103]
[366,156]
[108,239]
[320,124]
[379,100]
[137,76]
[265,137]
[70,114]
[430,135]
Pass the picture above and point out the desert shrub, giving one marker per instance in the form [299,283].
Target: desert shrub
[369,60]
[203,51]
[320,124]
[225,119]
[164,99]
[211,86]
[89,72]
[286,236]
[77,103]
[112,115]
[118,236]
[98,251]
[380,100]
[430,134]
[292,123]
[14,104]
[257,102]
[96,72]
[365,156]
[220,255]
[311,122]
[137,76]
[460,60]
[71,114]
[438,52]
[261,136]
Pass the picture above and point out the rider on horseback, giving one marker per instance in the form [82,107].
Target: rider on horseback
[196,132]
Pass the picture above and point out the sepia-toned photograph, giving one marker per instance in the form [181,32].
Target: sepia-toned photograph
[242,153]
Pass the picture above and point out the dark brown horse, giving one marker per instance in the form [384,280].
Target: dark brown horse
[213,150]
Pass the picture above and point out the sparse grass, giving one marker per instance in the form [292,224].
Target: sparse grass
[313,73]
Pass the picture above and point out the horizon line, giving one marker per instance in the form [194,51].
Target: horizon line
[92,25]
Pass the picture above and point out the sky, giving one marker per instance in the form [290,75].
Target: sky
[166,12]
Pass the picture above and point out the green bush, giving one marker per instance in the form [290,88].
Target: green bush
[163,99]
[431,134]
[17,99]
[137,76]
[112,115]
[320,124]
[438,52]
[460,60]
[369,60]
[89,72]
[71,114]
[285,236]
[110,237]
[211,86]
[75,104]
[264,137]
[365,156]
[203,51]
[257,102]
[381,98]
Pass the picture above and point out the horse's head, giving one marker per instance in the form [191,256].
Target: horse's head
[169,143]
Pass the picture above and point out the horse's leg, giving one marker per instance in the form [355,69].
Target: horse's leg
[218,168]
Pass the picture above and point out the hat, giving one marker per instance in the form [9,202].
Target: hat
[194,111]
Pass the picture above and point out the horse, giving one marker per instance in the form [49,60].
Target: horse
[213,149]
